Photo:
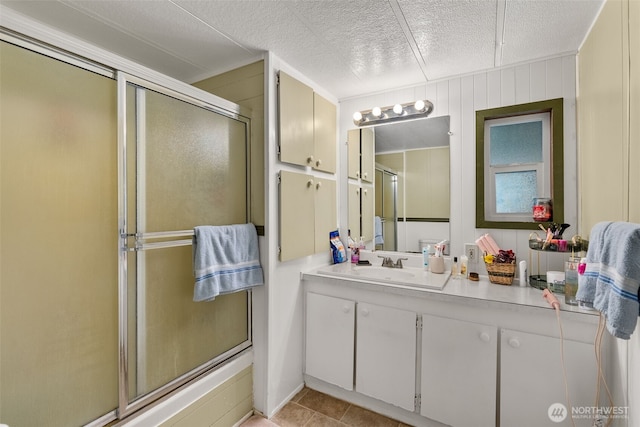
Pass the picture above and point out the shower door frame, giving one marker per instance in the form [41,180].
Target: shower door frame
[136,242]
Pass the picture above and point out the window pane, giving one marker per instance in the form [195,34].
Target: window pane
[515,191]
[516,143]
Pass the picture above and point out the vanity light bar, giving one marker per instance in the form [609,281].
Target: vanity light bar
[393,113]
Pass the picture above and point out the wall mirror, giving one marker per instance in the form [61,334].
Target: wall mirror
[519,157]
[411,186]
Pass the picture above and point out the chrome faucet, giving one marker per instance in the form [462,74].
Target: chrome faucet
[399,262]
[388,262]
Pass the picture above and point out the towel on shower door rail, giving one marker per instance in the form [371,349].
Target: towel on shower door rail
[226,259]
[611,280]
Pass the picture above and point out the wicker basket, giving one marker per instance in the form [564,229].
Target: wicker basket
[501,273]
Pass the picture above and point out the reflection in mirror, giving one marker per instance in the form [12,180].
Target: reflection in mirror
[412,184]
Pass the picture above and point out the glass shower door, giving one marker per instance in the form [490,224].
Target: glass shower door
[186,165]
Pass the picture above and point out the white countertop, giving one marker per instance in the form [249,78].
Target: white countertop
[457,288]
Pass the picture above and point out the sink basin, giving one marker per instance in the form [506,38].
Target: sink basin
[408,276]
[385,273]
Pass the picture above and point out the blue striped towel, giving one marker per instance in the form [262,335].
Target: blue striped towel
[611,280]
[226,259]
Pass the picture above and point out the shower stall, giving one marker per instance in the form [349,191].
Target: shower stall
[104,175]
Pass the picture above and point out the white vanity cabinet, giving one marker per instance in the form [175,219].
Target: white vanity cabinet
[459,364]
[330,339]
[531,378]
[464,356]
[386,354]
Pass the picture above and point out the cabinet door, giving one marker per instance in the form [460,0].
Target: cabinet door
[386,354]
[324,134]
[367,150]
[325,213]
[367,208]
[296,121]
[459,361]
[330,332]
[531,377]
[297,215]
[354,210]
[353,145]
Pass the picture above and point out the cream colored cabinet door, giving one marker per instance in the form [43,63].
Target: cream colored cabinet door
[296,121]
[297,215]
[458,359]
[386,354]
[353,145]
[531,378]
[367,209]
[324,134]
[330,335]
[354,210]
[325,212]
[367,152]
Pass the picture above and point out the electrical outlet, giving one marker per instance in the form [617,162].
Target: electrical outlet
[472,252]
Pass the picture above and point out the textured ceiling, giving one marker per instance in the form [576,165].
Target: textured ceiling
[348,47]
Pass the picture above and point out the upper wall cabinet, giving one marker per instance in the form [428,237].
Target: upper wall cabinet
[361,152]
[307,126]
[307,214]
[324,134]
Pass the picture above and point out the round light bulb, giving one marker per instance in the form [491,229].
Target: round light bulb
[419,105]
[397,109]
[357,116]
[376,111]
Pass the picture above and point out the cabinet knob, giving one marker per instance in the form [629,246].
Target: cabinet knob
[485,337]
[365,191]
[318,184]
[358,174]
[310,159]
[318,162]
[514,342]
[364,312]
[346,309]
[364,175]
[310,183]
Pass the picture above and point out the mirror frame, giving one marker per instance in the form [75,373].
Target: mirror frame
[555,108]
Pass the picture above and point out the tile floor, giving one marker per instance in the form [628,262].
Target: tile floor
[310,408]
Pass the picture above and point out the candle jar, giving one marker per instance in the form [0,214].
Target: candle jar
[542,209]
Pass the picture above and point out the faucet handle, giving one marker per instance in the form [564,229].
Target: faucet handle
[386,261]
[399,262]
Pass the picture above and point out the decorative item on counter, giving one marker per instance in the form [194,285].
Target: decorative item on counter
[554,242]
[436,261]
[571,281]
[353,252]
[338,252]
[542,209]
[501,267]
[487,244]
[464,261]
[555,281]
[454,268]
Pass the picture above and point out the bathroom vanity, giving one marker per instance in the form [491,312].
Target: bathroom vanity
[451,352]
